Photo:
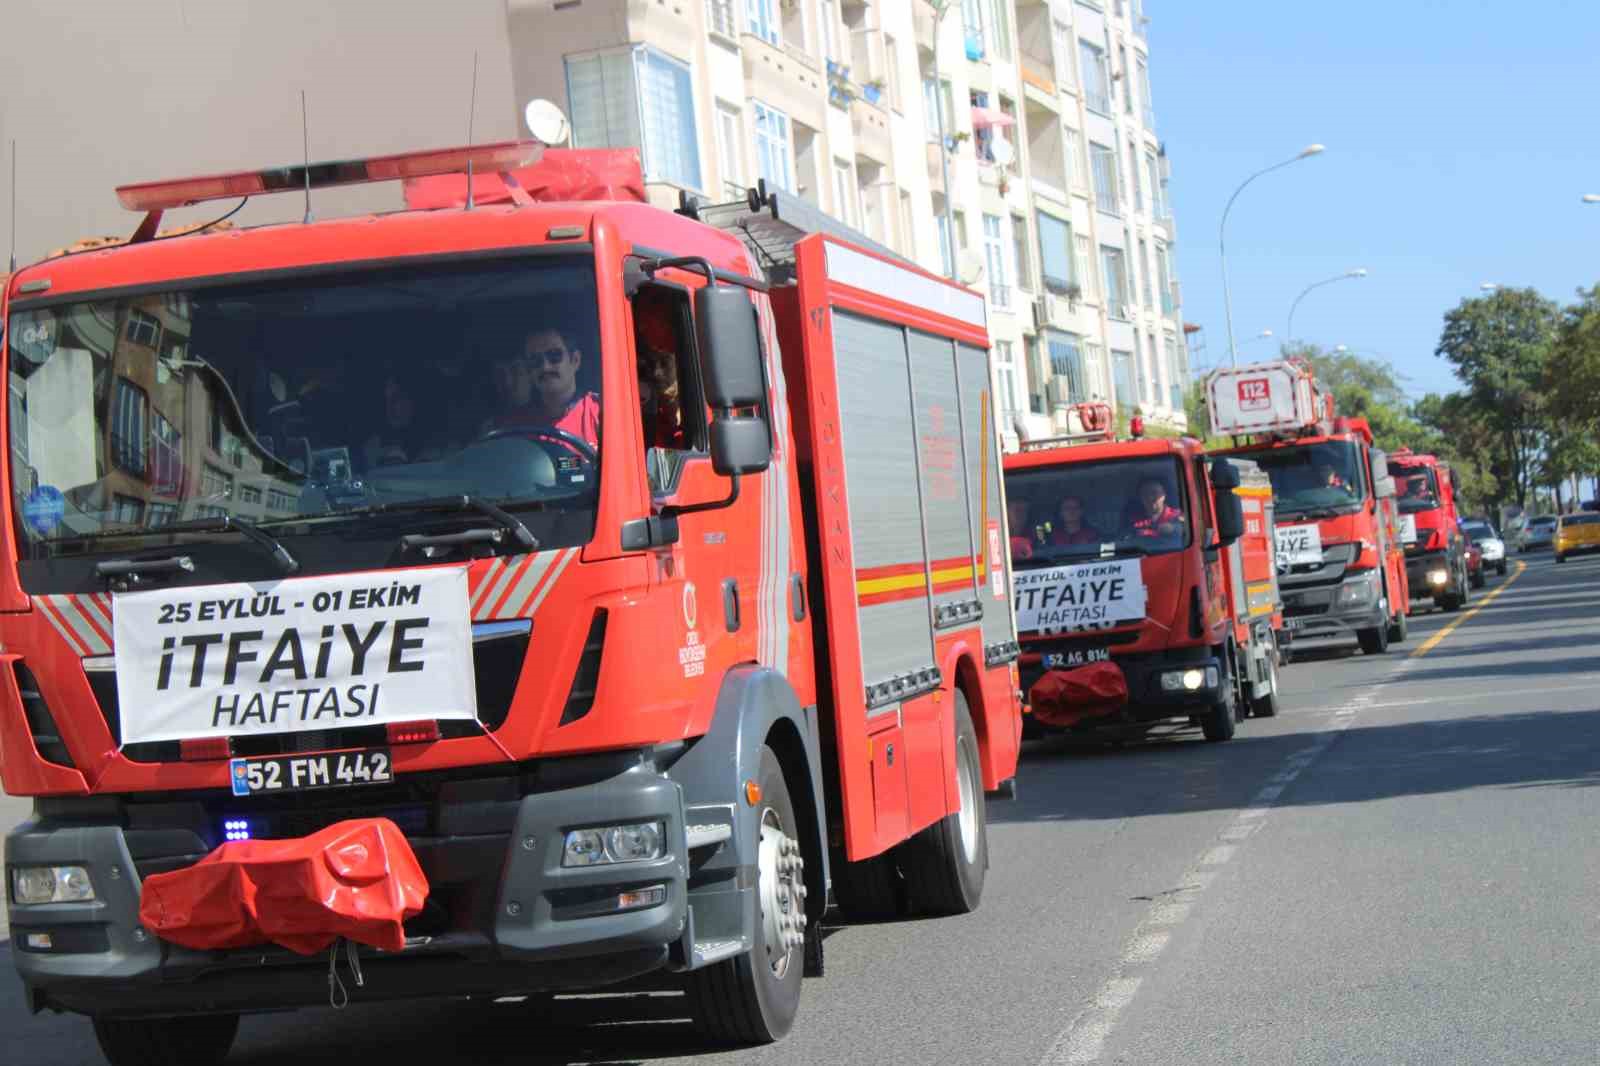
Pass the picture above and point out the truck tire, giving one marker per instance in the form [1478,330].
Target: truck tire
[1374,641]
[1267,706]
[753,998]
[1220,722]
[1560,558]
[1398,628]
[870,889]
[1501,569]
[944,865]
[202,1040]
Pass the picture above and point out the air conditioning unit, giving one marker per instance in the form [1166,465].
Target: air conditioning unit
[1041,313]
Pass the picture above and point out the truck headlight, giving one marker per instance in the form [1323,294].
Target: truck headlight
[34,885]
[1438,577]
[634,842]
[1191,680]
[1357,590]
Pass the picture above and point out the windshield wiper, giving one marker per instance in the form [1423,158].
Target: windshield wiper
[507,522]
[229,524]
[132,570]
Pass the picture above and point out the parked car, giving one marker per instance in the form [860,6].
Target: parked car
[1538,533]
[1482,533]
[1579,532]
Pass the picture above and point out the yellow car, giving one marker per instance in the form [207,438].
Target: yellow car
[1577,533]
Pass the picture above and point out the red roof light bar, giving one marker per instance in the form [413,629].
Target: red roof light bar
[492,158]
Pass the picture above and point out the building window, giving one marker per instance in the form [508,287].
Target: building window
[638,98]
[161,514]
[143,329]
[1168,304]
[1077,162]
[930,108]
[127,510]
[844,193]
[730,150]
[210,510]
[1061,39]
[891,72]
[765,20]
[1114,268]
[1157,208]
[166,456]
[1066,363]
[1122,378]
[1127,80]
[1055,252]
[1000,28]
[249,494]
[972,12]
[774,153]
[1144,94]
[128,421]
[1177,372]
[1005,382]
[1144,270]
[278,500]
[995,253]
[722,17]
[1103,162]
[215,484]
[908,227]
[1096,77]
[1152,383]
[1021,253]
[947,260]
[1133,176]
[1083,265]
[828,17]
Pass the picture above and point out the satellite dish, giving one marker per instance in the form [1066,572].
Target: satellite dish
[1002,150]
[971,267]
[546,122]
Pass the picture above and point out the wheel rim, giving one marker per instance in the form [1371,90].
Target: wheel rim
[782,891]
[969,801]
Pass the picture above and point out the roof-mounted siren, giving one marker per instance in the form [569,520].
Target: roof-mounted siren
[1277,397]
[156,197]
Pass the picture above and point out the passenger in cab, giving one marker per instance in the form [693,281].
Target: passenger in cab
[537,387]
[1073,529]
[1021,529]
[401,436]
[1151,515]
[1328,477]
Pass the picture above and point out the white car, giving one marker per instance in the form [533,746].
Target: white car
[1488,541]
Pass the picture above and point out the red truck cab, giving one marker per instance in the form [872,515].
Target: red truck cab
[1134,573]
[1436,550]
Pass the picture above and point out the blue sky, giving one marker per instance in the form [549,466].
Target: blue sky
[1460,137]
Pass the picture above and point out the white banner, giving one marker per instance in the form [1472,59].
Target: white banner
[1080,596]
[1299,544]
[1408,529]
[293,656]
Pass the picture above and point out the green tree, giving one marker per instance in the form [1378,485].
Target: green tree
[1500,346]
[1456,429]
[1572,375]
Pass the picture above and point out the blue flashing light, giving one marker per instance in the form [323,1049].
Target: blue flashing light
[236,829]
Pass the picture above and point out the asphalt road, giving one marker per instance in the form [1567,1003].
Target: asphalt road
[1400,868]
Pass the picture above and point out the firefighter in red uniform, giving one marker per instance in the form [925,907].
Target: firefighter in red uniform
[1153,517]
[538,387]
[1021,529]
[1073,528]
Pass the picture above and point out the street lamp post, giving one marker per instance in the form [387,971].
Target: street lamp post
[1222,231]
[940,8]
[1358,272]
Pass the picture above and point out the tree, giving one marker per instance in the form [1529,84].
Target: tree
[1572,375]
[1455,428]
[1500,346]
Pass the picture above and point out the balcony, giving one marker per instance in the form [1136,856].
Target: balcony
[1046,152]
[1034,47]
[789,80]
[923,22]
[870,123]
[936,168]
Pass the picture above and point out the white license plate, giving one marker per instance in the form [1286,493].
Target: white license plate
[1079,657]
[1293,624]
[304,773]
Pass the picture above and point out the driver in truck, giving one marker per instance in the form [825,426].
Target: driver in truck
[1150,514]
[538,386]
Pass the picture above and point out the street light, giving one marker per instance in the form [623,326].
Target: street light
[1358,272]
[940,9]
[1263,335]
[1305,153]
[1490,286]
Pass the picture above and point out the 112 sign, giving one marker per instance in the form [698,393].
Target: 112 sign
[1255,394]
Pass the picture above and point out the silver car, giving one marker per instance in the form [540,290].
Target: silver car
[1538,533]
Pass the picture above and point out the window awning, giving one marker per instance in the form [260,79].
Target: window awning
[988,116]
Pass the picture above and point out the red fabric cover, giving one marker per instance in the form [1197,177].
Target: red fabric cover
[356,879]
[560,175]
[1067,697]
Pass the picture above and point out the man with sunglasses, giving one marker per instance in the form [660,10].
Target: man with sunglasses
[539,387]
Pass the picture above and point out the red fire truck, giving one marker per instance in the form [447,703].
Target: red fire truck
[1339,556]
[1145,586]
[1430,529]
[646,585]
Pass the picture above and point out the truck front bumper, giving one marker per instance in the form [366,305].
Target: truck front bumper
[1428,574]
[1334,610]
[1175,683]
[503,914]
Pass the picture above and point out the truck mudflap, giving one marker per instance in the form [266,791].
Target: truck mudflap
[505,915]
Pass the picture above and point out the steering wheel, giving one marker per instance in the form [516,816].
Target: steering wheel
[585,450]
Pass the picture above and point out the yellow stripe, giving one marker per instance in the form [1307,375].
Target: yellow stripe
[900,582]
[1434,640]
[983,486]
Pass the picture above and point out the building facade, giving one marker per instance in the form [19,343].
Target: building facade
[1051,176]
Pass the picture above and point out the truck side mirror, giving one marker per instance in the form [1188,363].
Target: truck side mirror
[1230,509]
[735,381]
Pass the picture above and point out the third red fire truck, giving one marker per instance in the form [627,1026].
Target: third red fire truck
[1430,528]
[1339,555]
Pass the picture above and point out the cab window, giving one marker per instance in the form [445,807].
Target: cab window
[671,409]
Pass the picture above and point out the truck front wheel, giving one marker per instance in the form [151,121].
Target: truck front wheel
[753,998]
[1218,724]
[944,864]
[193,1041]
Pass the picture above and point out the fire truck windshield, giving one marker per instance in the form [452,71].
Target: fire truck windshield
[1416,488]
[307,403]
[1313,480]
[1090,510]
